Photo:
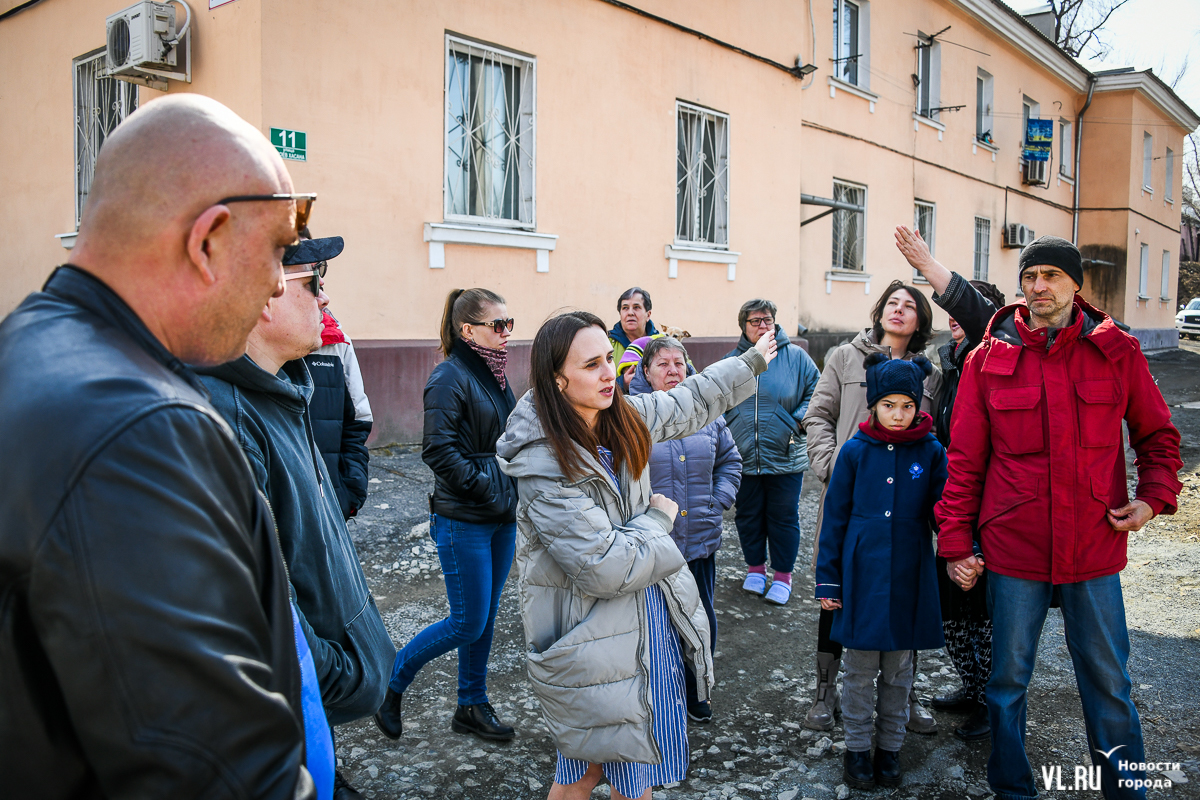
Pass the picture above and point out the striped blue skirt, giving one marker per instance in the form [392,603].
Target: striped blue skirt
[668,718]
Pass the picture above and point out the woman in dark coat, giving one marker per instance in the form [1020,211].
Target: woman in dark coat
[472,509]
[701,473]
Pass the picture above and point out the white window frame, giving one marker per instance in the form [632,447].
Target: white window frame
[929,236]
[981,257]
[1169,181]
[691,187]
[1147,161]
[1144,273]
[525,138]
[929,76]
[862,71]
[93,92]
[841,218]
[1066,148]
[985,121]
[1165,286]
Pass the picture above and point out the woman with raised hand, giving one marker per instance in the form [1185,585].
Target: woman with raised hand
[609,607]
[472,508]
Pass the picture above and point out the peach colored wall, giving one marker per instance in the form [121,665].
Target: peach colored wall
[962,179]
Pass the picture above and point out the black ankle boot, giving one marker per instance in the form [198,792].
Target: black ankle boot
[887,767]
[856,770]
[977,727]
[956,702]
[342,790]
[388,716]
[480,719]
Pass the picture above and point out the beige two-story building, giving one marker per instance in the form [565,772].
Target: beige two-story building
[560,151]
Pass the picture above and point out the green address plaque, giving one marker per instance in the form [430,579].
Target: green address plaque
[292,145]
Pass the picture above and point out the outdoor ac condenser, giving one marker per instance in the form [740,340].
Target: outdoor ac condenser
[1018,235]
[1034,173]
[141,36]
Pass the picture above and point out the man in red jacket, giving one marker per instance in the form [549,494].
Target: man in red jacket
[1037,467]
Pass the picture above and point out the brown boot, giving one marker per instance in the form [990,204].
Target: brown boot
[827,705]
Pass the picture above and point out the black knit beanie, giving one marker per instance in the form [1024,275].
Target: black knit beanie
[1052,251]
[895,376]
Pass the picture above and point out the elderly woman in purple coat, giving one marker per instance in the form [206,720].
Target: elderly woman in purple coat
[701,473]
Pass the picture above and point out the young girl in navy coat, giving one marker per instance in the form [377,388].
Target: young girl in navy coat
[875,566]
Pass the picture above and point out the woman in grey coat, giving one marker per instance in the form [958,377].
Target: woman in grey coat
[609,608]
[701,473]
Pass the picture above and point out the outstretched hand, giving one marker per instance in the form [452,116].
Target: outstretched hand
[766,346]
[916,251]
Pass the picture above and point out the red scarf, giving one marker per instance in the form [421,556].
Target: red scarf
[922,425]
[496,360]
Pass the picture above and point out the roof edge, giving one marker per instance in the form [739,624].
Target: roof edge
[1155,89]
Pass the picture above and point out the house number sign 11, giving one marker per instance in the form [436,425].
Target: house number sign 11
[292,145]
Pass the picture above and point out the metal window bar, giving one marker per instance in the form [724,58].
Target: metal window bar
[101,104]
[849,228]
[701,177]
[490,136]
[983,237]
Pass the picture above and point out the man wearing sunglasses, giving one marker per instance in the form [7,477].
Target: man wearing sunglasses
[265,398]
[147,647]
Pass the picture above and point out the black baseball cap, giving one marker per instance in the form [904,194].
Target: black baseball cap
[310,251]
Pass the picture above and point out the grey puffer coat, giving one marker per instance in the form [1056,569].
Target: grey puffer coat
[585,557]
[701,473]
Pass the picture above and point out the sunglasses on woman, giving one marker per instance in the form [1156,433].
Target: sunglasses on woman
[315,274]
[497,325]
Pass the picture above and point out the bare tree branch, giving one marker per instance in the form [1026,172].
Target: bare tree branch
[1078,24]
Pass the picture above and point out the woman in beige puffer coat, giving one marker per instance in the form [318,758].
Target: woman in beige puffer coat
[597,566]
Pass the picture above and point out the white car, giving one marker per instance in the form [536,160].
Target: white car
[1187,321]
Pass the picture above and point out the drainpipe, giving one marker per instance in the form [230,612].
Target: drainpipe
[1078,147]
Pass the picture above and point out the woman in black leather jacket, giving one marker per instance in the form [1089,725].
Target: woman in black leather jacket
[472,509]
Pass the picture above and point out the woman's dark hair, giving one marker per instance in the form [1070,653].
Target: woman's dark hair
[924,331]
[629,293]
[464,305]
[750,306]
[618,427]
[992,292]
[661,343]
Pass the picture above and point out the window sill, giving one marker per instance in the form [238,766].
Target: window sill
[67,240]
[1067,179]
[1141,298]
[920,279]
[977,143]
[439,234]
[1168,201]
[847,276]
[1147,190]
[683,252]
[919,120]
[850,88]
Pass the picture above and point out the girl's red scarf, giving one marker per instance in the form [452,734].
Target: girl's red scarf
[922,425]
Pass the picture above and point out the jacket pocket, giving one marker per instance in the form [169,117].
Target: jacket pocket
[1099,413]
[370,641]
[1008,504]
[1017,420]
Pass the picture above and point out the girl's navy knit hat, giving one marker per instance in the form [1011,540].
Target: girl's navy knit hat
[895,376]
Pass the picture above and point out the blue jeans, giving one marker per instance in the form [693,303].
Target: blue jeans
[1094,620]
[767,514]
[476,558]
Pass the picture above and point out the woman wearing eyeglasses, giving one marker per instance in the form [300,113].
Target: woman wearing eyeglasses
[774,453]
[472,508]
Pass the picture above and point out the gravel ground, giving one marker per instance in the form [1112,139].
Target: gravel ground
[755,747]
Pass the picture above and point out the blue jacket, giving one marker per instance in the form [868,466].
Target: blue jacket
[767,426]
[351,648]
[701,473]
[876,553]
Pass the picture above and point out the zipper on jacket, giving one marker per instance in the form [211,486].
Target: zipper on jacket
[757,449]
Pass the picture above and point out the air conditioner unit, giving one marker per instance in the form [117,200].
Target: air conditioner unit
[142,44]
[1034,173]
[1018,235]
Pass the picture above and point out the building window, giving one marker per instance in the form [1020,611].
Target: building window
[983,107]
[1030,109]
[923,223]
[929,62]
[490,135]
[1169,183]
[1147,159]
[852,42]
[101,104]
[1144,273]
[1066,145]
[701,176]
[1165,289]
[849,227]
[983,248]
